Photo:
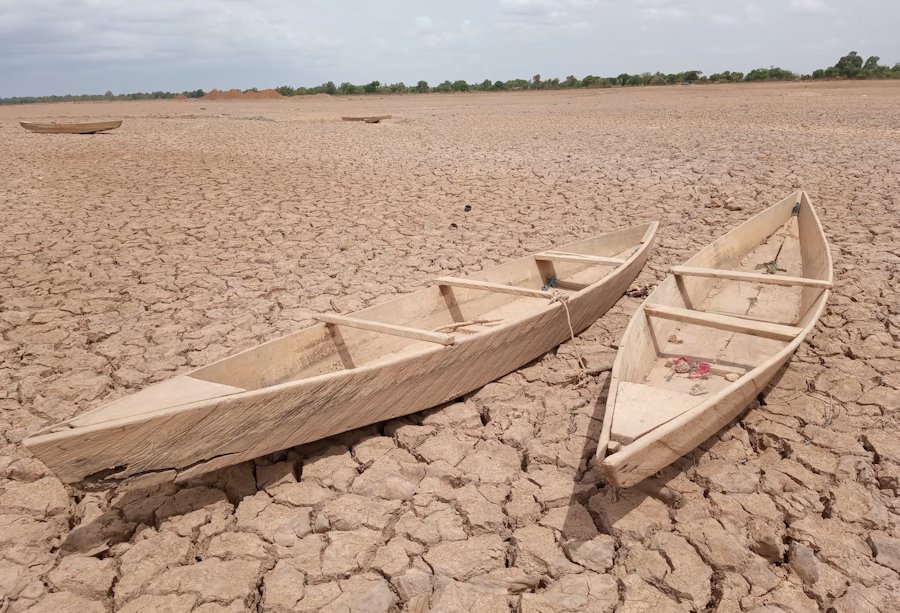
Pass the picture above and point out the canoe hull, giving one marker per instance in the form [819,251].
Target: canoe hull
[70,128]
[185,441]
[647,454]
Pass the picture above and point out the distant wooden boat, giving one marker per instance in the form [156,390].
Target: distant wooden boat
[711,336]
[71,128]
[345,372]
[367,118]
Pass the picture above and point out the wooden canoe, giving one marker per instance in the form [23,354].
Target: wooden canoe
[71,128]
[367,118]
[741,306]
[345,372]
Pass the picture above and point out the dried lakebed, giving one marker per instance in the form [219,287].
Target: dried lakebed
[190,233]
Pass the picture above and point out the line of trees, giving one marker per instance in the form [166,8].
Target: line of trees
[850,66]
[158,95]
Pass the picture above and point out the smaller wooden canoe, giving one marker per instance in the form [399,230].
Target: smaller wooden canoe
[71,128]
[711,336]
[367,118]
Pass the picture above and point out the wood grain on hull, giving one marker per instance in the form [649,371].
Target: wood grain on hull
[188,440]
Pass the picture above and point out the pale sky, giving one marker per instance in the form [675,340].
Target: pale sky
[91,46]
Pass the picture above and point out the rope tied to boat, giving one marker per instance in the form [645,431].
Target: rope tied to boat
[562,298]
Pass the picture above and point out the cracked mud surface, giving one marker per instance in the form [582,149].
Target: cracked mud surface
[191,233]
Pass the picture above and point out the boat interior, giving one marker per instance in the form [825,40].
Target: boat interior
[428,320]
[730,308]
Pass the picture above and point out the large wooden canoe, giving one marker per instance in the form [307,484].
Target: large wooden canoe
[739,308]
[71,128]
[348,371]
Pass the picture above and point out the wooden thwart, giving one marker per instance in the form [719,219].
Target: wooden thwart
[724,322]
[755,277]
[489,286]
[578,258]
[393,329]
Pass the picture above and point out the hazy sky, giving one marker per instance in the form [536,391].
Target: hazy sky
[90,46]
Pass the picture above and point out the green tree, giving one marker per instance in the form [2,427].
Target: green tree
[445,86]
[871,63]
[422,87]
[460,86]
[371,88]
[571,81]
[850,65]
[286,90]
[329,88]
[536,82]
[347,88]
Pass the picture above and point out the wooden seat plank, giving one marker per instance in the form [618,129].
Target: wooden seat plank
[490,286]
[754,277]
[384,328]
[723,322]
[578,258]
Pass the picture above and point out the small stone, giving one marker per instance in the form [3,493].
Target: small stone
[802,561]
[596,554]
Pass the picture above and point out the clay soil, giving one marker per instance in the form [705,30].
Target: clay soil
[200,228]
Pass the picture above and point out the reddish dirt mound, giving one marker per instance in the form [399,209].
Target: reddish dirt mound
[236,94]
[181,97]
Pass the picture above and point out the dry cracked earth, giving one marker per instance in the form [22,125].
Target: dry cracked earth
[201,228]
